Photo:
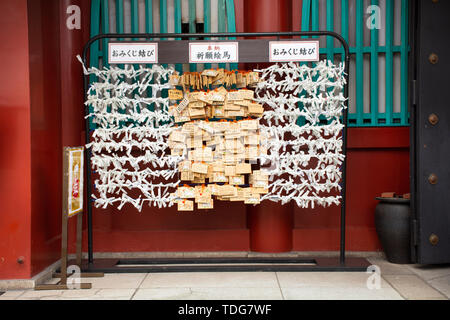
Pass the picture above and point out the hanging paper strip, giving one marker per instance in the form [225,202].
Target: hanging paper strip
[302,118]
[131,158]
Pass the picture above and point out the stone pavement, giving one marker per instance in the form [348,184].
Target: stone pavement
[397,282]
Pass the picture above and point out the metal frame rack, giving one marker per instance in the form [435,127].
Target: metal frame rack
[250,51]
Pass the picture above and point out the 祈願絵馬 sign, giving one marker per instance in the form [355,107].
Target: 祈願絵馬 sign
[213,52]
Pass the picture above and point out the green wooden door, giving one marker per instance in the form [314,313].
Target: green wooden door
[365,46]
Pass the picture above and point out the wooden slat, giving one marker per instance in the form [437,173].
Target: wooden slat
[149,16]
[95,30]
[149,29]
[330,40]
[404,64]
[330,27]
[306,13]
[120,22]
[231,24]
[192,27]
[359,62]
[119,16]
[344,24]
[207,22]
[177,27]
[374,72]
[105,29]
[95,51]
[134,16]
[135,29]
[221,22]
[163,29]
[344,34]
[163,17]
[389,61]
[315,27]
[315,16]
[177,16]
[163,25]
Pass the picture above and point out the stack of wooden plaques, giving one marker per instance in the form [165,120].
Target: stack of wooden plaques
[218,104]
[215,77]
[220,139]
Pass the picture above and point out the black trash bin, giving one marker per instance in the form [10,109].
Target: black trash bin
[392,223]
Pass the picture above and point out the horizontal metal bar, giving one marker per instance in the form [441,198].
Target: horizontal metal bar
[250,51]
[211,35]
[81,275]
[214,260]
[217,34]
[259,268]
[62,286]
[229,265]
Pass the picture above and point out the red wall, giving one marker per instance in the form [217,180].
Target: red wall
[15,158]
[56,117]
[378,161]
[45,132]
[41,111]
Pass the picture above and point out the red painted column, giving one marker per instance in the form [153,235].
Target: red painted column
[270,223]
[267,15]
[57,119]
[15,142]
[71,43]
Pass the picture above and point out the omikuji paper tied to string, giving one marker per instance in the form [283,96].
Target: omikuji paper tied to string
[304,159]
[134,131]
[129,144]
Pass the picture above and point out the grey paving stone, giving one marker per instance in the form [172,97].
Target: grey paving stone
[325,279]
[117,281]
[442,284]
[175,293]
[429,272]
[412,287]
[387,268]
[210,293]
[210,280]
[339,293]
[11,294]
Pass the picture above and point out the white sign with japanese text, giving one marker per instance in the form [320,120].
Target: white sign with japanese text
[281,51]
[132,52]
[213,52]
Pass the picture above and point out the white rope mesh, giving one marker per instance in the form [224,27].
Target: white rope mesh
[304,161]
[129,147]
